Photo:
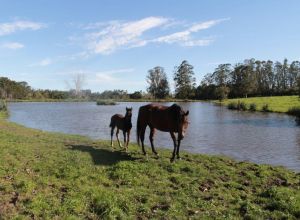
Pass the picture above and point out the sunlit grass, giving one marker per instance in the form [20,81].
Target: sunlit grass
[54,176]
[275,104]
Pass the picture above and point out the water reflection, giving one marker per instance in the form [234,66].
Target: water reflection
[258,137]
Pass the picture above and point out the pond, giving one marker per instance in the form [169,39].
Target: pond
[258,137]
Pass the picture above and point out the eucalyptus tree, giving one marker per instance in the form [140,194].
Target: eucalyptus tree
[221,78]
[184,80]
[158,82]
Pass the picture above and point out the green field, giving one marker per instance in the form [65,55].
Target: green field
[54,176]
[275,103]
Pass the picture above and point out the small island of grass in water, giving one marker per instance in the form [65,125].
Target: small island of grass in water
[106,102]
[47,175]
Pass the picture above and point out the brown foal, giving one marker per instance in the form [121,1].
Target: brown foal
[122,123]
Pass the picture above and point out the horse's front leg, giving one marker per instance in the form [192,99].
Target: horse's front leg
[111,136]
[128,138]
[175,146]
[152,131]
[178,146]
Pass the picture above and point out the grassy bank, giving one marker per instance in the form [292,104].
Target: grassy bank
[49,175]
[275,104]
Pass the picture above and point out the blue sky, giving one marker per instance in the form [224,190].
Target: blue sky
[114,43]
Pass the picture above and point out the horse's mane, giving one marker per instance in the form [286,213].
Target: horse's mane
[175,111]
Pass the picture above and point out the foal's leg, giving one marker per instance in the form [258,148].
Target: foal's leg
[152,131]
[124,134]
[174,142]
[117,135]
[111,136]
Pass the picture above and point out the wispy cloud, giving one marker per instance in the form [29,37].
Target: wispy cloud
[122,34]
[110,72]
[43,62]
[184,38]
[12,45]
[108,37]
[115,78]
[12,27]
[109,76]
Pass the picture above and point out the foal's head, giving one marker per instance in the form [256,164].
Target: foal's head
[128,113]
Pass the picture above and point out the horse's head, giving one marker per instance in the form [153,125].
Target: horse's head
[183,124]
[128,112]
[181,118]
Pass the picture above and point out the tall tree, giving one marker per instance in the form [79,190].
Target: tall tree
[158,82]
[221,78]
[294,73]
[184,80]
[76,84]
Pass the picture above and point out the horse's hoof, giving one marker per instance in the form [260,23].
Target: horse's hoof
[172,160]
[178,158]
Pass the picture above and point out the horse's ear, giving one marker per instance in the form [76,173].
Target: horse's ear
[187,113]
[127,109]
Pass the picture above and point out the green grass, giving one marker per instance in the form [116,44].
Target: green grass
[275,104]
[54,176]
[106,102]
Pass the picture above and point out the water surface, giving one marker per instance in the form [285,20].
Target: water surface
[257,137]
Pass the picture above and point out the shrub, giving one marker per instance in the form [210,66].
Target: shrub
[232,106]
[265,108]
[3,106]
[252,107]
[242,106]
[295,111]
[106,102]
[237,106]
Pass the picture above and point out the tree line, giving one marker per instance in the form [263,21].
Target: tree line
[12,90]
[249,78]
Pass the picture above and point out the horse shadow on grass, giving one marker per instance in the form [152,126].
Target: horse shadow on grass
[103,156]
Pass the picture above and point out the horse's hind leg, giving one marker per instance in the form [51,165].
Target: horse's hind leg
[111,136]
[175,146]
[152,131]
[117,135]
[142,135]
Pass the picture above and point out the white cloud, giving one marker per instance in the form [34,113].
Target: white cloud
[184,38]
[109,72]
[43,62]
[12,45]
[12,27]
[122,34]
[106,38]
[194,43]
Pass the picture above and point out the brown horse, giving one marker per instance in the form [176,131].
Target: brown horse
[168,119]
[122,123]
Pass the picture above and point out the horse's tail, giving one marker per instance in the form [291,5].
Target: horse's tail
[111,123]
[138,127]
